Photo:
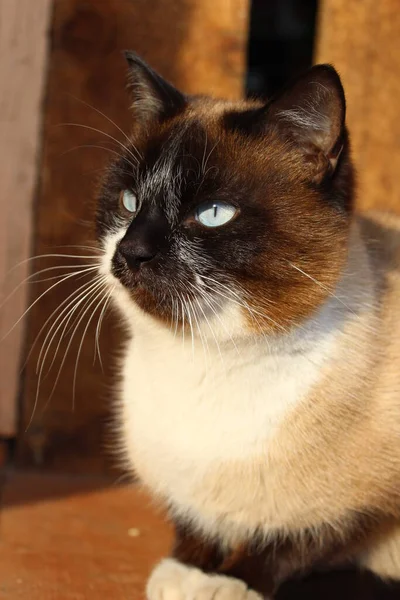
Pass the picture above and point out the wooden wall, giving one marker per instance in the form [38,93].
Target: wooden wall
[23,46]
[199,45]
[362,40]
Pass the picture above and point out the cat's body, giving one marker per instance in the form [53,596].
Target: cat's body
[282,445]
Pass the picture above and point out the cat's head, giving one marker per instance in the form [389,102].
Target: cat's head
[231,213]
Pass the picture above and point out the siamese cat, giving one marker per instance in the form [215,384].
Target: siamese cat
[260,385]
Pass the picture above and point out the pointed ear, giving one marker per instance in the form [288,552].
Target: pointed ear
[311,112]
[153,96]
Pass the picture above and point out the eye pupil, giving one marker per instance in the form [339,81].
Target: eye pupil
[215,211]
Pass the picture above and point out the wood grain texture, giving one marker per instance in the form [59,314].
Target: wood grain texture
[361,39]
[71,539]
[23,50]
[200,46]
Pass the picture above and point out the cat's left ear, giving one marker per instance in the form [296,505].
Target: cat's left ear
[153,96]
[311,112]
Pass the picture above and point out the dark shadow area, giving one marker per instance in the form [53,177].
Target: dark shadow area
[21,487]
[346,585]
[281,43]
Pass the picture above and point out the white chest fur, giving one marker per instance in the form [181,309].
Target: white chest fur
[184,415]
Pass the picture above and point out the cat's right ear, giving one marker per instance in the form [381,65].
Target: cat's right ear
[309,114]
[153,96]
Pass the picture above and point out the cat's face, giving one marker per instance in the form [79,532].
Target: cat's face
[235,214]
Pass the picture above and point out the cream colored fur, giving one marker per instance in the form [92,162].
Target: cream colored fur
[281,433]
[171,580]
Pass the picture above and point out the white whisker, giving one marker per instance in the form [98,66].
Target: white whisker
[322,286]
[30,278]
[98,328]
[88,288]
[68,347]
[108,119]
[40,378]
[135,158]
[69,299]
[100,295]
[40,297]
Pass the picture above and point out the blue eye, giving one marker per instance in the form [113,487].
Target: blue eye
[215,214]
[129,201]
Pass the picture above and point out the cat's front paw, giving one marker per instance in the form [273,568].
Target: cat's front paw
[171,580]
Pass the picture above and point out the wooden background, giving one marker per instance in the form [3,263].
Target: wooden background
[362,40]
[23,58]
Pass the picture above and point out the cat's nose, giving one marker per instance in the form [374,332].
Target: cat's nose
[136,253]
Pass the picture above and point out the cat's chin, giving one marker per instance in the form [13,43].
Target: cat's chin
[150,302]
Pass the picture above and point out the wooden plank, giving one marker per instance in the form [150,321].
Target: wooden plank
[362,40]
[23,48]
[199,45]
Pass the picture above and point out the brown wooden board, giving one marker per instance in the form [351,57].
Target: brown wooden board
[200,46]
[23,54]
[361,39]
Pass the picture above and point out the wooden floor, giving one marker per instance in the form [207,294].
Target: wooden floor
[65,538]
[71,538]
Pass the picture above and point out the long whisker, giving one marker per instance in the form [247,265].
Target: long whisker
[55,383]
[37,392]
[135,158]
[41,256]
[70,299]
[100,295]
[187,308]
[243,304]
[191,309]
[203,338]
[98,328]
[183,319]
[40,297]
[209,304]
[80,246]
[98,147]
[103,115]
[88,287]
[68,347]
[31,279]
[322,286]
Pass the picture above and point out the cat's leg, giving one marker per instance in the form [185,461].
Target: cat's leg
[383,558]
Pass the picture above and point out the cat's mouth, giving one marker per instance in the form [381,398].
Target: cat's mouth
[177,298]
[154,289]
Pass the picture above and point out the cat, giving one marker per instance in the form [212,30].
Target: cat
[260,385]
